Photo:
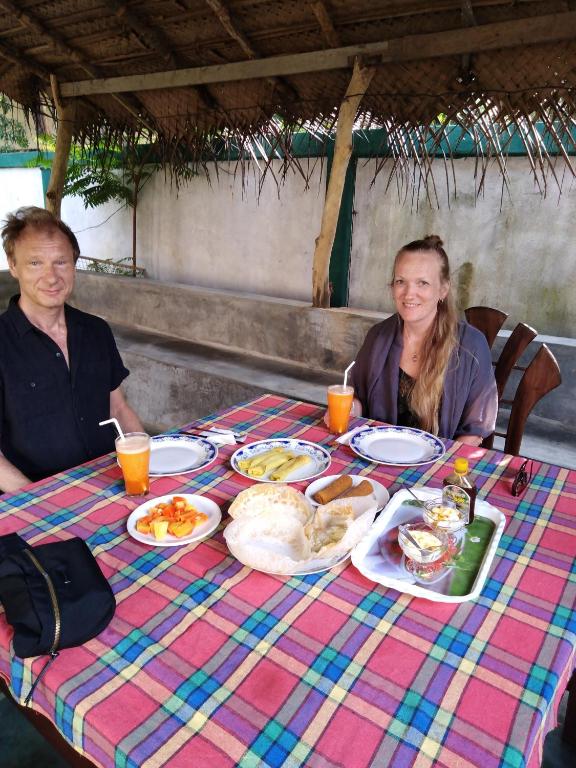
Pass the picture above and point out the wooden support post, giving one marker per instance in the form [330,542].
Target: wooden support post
[357,87]
[66,113]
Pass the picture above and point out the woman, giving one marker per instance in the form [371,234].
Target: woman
[421,367]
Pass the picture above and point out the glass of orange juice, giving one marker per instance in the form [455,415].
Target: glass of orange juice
[133,451]
[339,407]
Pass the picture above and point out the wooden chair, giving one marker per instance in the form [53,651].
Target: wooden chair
[512,351]
[487,320]
[541,376]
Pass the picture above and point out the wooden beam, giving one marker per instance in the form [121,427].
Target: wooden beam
[361,77]
[323,17]
[507,34]
[224,18]
[66,113]
[468,20]
[153,38]
[156,40]
[236,34]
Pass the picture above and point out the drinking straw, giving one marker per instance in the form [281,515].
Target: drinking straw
[346,371]
[115,422]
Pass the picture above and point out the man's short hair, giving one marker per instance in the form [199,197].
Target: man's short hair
[35,218]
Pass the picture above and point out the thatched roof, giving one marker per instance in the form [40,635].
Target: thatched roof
[483,64]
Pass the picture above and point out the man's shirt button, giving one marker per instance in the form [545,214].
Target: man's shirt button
[32,384]
[58,354]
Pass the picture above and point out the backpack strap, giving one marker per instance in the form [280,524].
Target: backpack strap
[49,661]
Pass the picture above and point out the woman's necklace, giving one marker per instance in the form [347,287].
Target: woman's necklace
[414,355]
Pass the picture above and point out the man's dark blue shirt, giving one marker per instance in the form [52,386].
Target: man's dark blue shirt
[49,413]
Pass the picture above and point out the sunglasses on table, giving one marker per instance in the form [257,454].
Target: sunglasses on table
[522,478]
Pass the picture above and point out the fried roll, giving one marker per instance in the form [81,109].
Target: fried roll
[334,489]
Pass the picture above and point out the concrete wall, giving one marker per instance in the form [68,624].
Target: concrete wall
[222,235]
[18,186]
[515,252]
[104,232]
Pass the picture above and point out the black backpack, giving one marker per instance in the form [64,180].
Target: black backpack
[55,596]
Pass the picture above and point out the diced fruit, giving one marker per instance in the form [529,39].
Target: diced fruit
[178,518]
[143,525]
[159,528]
[181,529]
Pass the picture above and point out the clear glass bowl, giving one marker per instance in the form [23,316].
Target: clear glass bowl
[428,544]
[443,515]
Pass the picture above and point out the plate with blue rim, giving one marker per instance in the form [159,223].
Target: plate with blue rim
[319,458]
[178,454]
[397,446]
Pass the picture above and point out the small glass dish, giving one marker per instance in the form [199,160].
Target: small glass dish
[422,543]
[443,515]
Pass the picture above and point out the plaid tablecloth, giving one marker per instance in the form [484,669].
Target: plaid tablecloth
[207,662]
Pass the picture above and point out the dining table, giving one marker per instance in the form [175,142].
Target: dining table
[209,662]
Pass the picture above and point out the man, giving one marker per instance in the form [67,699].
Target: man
[60,370]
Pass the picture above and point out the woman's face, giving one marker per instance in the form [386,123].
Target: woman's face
[418,286]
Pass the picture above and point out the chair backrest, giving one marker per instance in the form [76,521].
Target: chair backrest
[487,320]
[511,352]
[540,377]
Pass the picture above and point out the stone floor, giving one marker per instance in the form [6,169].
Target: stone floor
[549,441]
[21,746]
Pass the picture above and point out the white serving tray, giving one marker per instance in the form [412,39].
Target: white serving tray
[366,555]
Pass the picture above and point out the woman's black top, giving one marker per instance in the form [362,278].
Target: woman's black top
[405,416]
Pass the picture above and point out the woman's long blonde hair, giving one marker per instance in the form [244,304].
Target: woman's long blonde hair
[442,339]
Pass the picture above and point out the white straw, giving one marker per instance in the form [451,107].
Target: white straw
[346,371]
[115,422]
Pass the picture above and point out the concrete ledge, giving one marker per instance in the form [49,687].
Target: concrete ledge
[173,382]
[278,329]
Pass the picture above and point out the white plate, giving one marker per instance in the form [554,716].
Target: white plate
[319,464]
[380,493]
[201,503]
[397,446]
[312,566]
[177,454]
[389,570]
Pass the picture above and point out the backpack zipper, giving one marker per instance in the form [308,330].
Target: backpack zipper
[53,600]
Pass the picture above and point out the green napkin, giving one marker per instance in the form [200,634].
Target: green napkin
[467,564]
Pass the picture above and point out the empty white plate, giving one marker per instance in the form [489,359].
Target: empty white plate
[397,446]
[177,454]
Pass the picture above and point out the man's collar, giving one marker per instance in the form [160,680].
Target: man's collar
[21,322]
[18,318]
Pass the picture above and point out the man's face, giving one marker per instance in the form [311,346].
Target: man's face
[43,264]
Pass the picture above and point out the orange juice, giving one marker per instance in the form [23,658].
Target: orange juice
[339,406]
[133,451]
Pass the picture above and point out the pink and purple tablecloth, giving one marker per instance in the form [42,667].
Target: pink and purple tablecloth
[207,662]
